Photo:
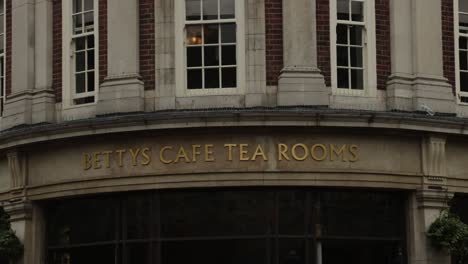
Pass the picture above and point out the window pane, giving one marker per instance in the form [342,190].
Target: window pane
[192,9]
[138,253]
[462,43]
[291,213]
[215,252]
[90,59]
[342,7]
[227,8]
[212,78]
[356,57]
[463,6]
[2,10]
[138,217]
[77,24]
[291,251]
[464,81]
[211,55]
[80,83]
[88,255]
[194,56]
[211,33]
[80,44]
[463,18]
[2,25]
[210,9]
[355,35]
[90,42]
[2,45]
[194,35]
[91,81]
[342,34]
[357,79]
[194,79]
[357,11]
[88,5]
[80,63]
[229,76]
[343,78]
[228,54]
[89,21]
[342,56]
[77,6]
[463,60]
[228,33]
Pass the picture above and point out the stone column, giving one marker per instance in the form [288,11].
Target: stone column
[429,88]
[18,104]
[300,82]
[122,90]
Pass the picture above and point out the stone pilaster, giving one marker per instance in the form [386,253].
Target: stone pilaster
[122,90]
[417,82]
[32,99]
[43,99]
[424,207]
[27,220]
[18,105]
[300,82]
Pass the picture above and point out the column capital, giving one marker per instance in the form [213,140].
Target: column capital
[433,199]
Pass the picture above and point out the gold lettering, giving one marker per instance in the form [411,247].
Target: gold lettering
[324,152]
[341,152]
[147,156]
[134,155]
[87,162]
[283,152]
[120,153]
[181,155]
[161,155]
[230,147]
[243,152]
[353,149]
[107,157]
[209,153]
[195,152]
[294,153]
[96,160]
[259,152]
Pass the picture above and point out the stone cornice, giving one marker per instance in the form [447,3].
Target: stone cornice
[215,118]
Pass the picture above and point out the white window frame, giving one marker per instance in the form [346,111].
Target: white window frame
[369,51]
[457,35]
[180,54]
[68,79]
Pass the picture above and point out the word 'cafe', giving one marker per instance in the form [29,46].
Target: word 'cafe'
[143,156]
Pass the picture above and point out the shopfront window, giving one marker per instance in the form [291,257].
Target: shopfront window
[228,226]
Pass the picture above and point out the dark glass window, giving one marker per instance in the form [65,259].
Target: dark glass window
[255,226]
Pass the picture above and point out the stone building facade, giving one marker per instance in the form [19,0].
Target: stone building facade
[253,131]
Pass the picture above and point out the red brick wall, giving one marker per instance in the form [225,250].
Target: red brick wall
[382,26]
[102,40]
[448,41]
[323,39]
[57,49]
[274,40]
[147,43]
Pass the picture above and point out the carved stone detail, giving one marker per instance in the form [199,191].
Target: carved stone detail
[18,169]
[433,157]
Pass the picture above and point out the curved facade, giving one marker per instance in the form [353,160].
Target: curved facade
[253,131]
